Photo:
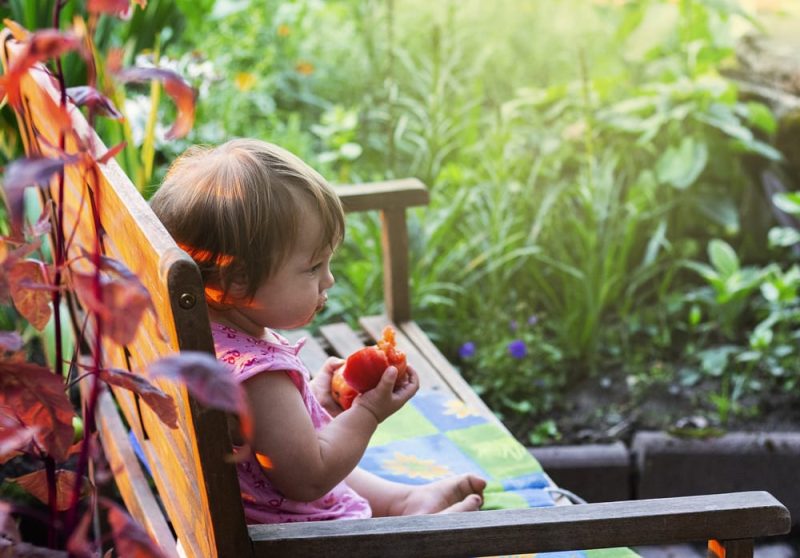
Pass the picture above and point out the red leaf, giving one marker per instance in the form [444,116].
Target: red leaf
[131,540]
[23,173]
[208,382]
[36,484]
[49,43]
[8,259]
[79,545]
[162,404]
[26,550]
[15,437]
[10,341]
[43,225]
[86,95]
[121,306]
[39,46]
[111,153]
[117,8]
[17,31]
[29,291]
[36,397]
[114,60]
[181,92]
[8,527]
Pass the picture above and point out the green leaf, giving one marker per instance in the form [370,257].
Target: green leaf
[788,202]
[760,116]
[721,116]
[681,166]
[350,151]
[714,360]
[783,236]
[759,147]
[723,257]
[721,210]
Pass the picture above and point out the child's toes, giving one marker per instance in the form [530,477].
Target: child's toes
[470,503]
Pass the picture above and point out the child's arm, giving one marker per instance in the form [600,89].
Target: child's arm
[306,464]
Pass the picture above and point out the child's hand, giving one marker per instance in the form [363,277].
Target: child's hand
[321,385]
[387,398]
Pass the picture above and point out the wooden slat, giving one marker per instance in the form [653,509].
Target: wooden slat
[612,524]
[341,338]
[457,384]
[390,194]
[128,475]
[429,378]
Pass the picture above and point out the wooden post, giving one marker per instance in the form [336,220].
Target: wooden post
[395,264]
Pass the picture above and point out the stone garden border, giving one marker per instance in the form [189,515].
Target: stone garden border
[657,464]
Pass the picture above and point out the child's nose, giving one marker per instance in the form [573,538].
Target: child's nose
[329,279]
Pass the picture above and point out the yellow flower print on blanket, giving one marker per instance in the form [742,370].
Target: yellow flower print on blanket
[459,409]
[415,468]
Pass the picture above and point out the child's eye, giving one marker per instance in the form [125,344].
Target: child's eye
[315,268]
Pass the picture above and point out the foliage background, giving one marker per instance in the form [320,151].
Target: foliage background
[599,224]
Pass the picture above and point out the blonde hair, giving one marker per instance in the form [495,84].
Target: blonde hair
[236,209]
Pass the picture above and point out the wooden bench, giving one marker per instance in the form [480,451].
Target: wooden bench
[196,509]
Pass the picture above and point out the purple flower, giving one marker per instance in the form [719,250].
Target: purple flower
[513,325]
[517,349]
[467,350]
[533,320]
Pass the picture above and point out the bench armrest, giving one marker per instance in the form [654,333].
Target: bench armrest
[391,197]
[386,195]
[742,515]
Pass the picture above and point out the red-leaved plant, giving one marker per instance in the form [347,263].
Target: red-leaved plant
[36,415]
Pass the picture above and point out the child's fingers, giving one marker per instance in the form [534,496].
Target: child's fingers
[331,364]
[411,376]
[388,378]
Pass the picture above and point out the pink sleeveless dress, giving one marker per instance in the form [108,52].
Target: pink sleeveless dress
[246,356]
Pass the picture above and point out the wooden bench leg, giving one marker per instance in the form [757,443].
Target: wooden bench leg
[738,548]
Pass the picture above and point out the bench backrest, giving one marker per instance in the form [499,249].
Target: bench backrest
[198,488]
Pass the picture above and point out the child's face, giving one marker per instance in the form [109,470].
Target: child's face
[298,289]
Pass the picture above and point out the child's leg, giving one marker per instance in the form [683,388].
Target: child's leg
[455,494]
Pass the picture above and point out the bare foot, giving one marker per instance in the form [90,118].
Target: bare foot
[455,494]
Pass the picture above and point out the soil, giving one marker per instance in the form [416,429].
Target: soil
[598,411]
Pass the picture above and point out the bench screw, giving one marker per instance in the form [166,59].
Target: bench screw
[187,301]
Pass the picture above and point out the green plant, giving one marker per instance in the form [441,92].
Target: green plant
[751,334]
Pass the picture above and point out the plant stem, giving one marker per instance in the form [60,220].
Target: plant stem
[59,228]
[52,498]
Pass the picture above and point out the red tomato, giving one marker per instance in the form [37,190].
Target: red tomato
[363,369]
[341,391]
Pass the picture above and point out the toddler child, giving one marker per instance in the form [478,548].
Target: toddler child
[262,227]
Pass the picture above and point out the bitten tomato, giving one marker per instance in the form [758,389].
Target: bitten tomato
[363,369]
[396,357]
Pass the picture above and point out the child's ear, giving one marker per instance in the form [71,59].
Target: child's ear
[227,288]
[236,284]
